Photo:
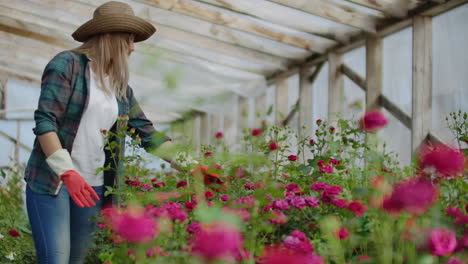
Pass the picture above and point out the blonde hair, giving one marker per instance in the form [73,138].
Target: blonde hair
[109,53]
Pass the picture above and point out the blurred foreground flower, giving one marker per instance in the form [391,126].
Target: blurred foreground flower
[442,242]
[282,255]
[133,225]
[414,196]
[217,241]
[373,121]
[446,162]
[210,178]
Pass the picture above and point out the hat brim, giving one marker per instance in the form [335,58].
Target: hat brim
[115,23]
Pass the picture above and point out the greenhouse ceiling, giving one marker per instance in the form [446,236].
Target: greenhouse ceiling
[205,52]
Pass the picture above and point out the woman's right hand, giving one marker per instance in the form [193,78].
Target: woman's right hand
[80,192]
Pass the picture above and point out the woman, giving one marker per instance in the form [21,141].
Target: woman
[83,92]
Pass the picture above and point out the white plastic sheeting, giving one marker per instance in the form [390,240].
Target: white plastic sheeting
[450,60]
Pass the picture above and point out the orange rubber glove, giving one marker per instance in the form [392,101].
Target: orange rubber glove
[79,190]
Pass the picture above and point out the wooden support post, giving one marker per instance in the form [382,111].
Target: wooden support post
[3,95]
[271,102]
[205,128]
[215,125]
[374,72]
[305,103]
[243,113]
[251,116]
[335,86]
[261,107]
[281,100]
[422,80]
[17,146]
[197,131]
[234,126]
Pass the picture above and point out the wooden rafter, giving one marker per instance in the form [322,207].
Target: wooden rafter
[55,37]
[12,139]
[193,9]
[395,111]
[335,12]
[62,29]
[353,76]
[398,8]
[83,11]
[280,15]
[430,9]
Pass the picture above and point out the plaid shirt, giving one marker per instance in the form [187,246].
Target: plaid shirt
[64,96]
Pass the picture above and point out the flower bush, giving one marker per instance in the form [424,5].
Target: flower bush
[16,245]
[329,197]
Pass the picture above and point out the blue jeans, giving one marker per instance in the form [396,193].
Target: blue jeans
[61,230]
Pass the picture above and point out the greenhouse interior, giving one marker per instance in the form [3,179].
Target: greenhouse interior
[242,131]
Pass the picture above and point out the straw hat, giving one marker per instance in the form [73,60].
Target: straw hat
[114,17]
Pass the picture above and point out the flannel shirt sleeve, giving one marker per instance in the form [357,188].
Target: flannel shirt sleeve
[55,93]
[150,137]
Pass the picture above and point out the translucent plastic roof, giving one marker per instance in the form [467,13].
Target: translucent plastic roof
[204,52]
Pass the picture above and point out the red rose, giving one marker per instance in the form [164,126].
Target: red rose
[219,135]
[14,233]
[292,157]
[373,121]
[209,194]
[357,208]
[208,154]
[312,142]
[256,132]
[319,121]
[273,146]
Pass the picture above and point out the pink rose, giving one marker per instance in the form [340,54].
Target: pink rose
[343,233]
[373,121]
[442,242]
[447,162]
[217,242]
[225,198]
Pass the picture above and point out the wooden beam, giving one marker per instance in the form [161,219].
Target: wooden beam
[383,31]
[353,76]
[32,21]
[395,111]
[229,20]
[431,137]
[8,73]
[291,114]
[212,67]
[444,7]
[397,8]
[335,86]
[281,103]
[83,12]
[280,15]
[3,94]
[374,72]
[306,99]
[422,80]
[335,12]
[165,18]
[205,128]
[16,142]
